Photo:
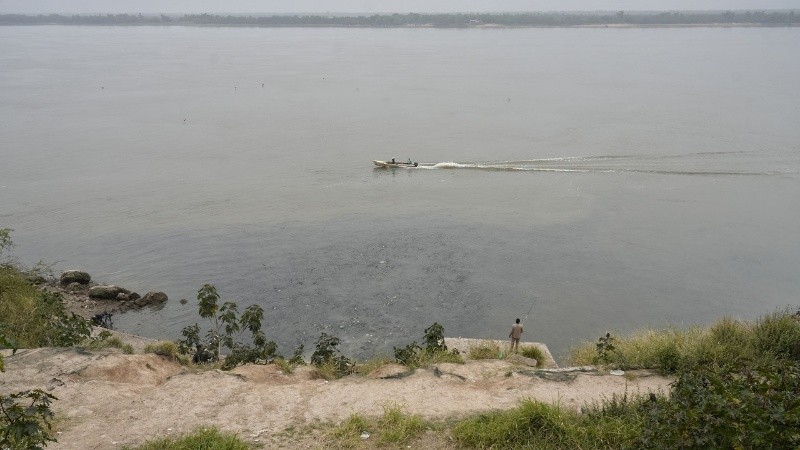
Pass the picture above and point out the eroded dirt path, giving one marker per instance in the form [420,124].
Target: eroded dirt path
[107,399]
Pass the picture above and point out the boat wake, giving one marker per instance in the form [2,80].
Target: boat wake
[705,163]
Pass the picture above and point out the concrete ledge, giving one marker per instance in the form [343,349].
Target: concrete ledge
[464,344]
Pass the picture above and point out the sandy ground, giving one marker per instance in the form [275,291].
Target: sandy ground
[107,399]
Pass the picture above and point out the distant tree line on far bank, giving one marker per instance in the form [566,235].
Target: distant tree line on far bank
[548,19]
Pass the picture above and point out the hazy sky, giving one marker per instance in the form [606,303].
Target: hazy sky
[375,6]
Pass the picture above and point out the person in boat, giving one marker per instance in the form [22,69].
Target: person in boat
[393,161]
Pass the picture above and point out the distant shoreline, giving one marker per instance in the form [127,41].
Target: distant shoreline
[409,27]
[619,19]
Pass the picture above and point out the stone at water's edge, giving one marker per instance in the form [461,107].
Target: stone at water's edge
[151,298]
[107,292]
[75,276]
[75,287]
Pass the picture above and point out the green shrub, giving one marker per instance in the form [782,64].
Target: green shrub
[36,319]
[778,334]
[226,328]
[202,438]
[668,359]
[163,348]
[435,351]
[328,357]
[434,338]
[25,420]
[729,407]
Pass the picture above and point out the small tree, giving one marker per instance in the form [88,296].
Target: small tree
[226,327]
[326,352]
[24,426]
[435,349]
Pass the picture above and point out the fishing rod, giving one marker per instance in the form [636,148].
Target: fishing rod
[533,302]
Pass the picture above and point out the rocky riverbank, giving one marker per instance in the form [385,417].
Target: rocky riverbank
[89,299]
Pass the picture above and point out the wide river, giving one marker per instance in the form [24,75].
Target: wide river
[602,179]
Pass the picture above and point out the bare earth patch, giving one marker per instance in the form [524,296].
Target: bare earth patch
[107,399]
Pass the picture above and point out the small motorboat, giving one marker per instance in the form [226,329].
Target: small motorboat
[395,164]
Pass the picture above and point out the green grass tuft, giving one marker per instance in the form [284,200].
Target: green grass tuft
[533,352]
[106,340]
[163,348]
[395,428]
[372,364]
[285,366]
[485,350]
[200,439]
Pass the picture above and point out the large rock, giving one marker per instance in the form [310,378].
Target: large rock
[75,276]
[108,292]
[151,298]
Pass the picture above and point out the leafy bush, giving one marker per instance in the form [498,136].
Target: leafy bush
[202,438]
[434,338]
[744,407]
[435,350]
[26,426]
[327,356]
[605,348]
[407,355]
[226,327]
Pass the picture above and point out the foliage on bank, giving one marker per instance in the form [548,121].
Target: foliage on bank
[727,342]
[736,382]
[26,417]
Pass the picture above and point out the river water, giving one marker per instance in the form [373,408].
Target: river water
[602,179]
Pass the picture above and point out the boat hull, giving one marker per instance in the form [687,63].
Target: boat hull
[389,164]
